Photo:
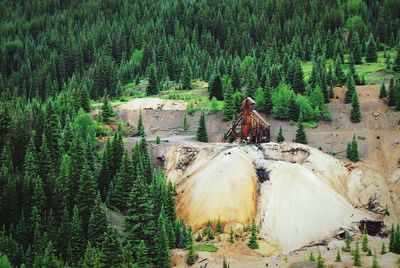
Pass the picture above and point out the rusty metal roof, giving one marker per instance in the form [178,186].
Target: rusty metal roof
[259,116]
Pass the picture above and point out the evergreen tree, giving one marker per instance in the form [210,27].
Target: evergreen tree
[294,109]
[383,248]
[106,111]
[268,100]
[339,74]
[140,126]
[355,113]
[86,196]
[298,80]
[202,130]
[91,258]
[370,53]
[392,93]
[351,88]
[280,137]
[231,236]
[355,47]
[77,238]
[320,261]
[382,93]
[215,88]
[259,99]
[311,256]
[253,244]
[338,257]
[347,247]
[152,88]
[162,243]
[186,75]
[142,258]
[364,245]
[97,223]
[375,263]
[191,259]
[356,256]
[111,249]
[219,227]
[352,150]
[396,64]
[229,107]
[300,134]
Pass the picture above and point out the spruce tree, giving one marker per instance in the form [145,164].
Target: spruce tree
[186,75]
[320,261]
[86,196]
[140,126]
[352,150]
[338,257]
[219,227]
[142,256]
[311,256]
[375,263]
[229,105]
[392,93]
[364,245]
[185,121]
[298,80]
[347,246]
[300,134]
[253,243]
[268,100]
[106,111]
[191,258]
[152,87]
[280,137]
[97,223]
[340,77]
[111,249]
[215,88]
[202,130]
[77,238]
[91,258]
[231,236]
[294,109]
[383,248]
[355,47]
[396,64]
[351,88]
[382,92]
[356,256]
[370,53]
[355,113]
[162,258]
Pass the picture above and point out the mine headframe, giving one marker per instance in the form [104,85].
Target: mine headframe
[249,126]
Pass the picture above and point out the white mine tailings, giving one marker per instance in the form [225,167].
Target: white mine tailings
[297,194]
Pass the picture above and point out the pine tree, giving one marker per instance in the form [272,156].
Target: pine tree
[280,137]
[215,88]
[152,87]
[111,249]
[375,263]
[186,75]
[97,223]
[370,53]
[392,93]
[86,195]
[320,261]
[268,100]
[352,150]
[396,64]
[219,227]
[202,130]
[351,88]
[91,258]
[77,238]
[339,74]
[355,114]
[300,134]
[106,111]
[185,122]
[231,236]
[338,257]
[253,244]
[347,247]
[356,256]
[191,259]
[382,93]
[229,107]
[355,46]
[162,243]
[311,256]
[298,80]
[364,245]
[294,109]
[142,256]
[383,248]
[140,126]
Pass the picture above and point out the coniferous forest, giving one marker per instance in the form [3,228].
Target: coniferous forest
[61,177]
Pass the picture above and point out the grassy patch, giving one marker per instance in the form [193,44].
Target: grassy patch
[206,247]
[310,124]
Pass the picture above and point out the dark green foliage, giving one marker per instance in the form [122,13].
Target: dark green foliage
[253,243]
[356,256]
[97,223]
[162,242]
[352,150]
[202,129]
[382,92]
[219,227]
[86,195]
[229,107]
[191,258]
[370,52]
[392,93]
[106,111]
[215,88]
[268,100]
[294,109]
[347,247]
[186,75]
[280,137]
[355,113]
[77,238]
[351,88]
[355,47]
[140,126]
[364,245]
[338,257]
[111,249]
[320,261]
[300,134]
[383,248]
[152,88]
[339,76]
[396,64]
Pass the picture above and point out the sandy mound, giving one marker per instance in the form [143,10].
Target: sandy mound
[296,207]
[224,186]
[153,104]
[297,194]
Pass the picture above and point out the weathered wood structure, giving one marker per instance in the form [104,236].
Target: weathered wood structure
[250,126]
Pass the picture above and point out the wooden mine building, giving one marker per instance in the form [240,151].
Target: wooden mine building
[250,126]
